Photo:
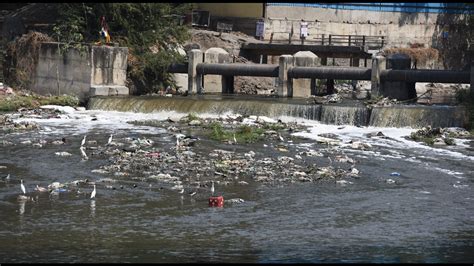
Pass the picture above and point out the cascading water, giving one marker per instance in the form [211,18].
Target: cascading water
[418,116]
[393,116]
[195,105]
[344,115]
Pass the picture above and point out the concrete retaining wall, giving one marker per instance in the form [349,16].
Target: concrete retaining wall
[99,70]
[402,28]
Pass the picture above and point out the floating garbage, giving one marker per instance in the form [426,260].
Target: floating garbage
[63,153]
[354,171]
[395,174]
[153,154]
[216,201]
[55,185]
[60,190]
[343,182]
[236,200]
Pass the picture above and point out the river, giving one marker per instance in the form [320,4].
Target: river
[423,215]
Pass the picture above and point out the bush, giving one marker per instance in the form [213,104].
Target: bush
[23,55]
[151,31]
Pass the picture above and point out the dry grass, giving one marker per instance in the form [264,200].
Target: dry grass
[25,52]
[420,55]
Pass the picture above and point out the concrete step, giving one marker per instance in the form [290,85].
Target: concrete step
[108,90]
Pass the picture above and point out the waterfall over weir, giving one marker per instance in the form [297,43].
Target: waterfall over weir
[270,107]
[393,116]
[344,115]
[418,116]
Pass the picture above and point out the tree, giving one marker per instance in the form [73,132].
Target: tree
[151,31]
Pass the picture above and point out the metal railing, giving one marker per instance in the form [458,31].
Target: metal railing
[372,42]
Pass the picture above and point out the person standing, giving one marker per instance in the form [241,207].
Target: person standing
[104,32]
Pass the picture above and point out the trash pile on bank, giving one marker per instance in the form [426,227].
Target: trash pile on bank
[438,136]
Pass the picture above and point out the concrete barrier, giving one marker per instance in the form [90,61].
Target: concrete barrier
[194,80]
[213,83]
[284,87]
[303,87]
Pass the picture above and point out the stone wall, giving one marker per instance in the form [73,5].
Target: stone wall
[99,70]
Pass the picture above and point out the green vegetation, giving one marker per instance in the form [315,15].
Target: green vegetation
[426,139]
[249,134]
[217,131]
[449,141]
[13,103]
[151,31]
[191,117]
[274,126]
[429,135]
[244,134]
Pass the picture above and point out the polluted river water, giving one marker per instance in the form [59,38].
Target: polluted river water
[406,203]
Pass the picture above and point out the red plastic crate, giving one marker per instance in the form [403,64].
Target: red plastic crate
[216,201]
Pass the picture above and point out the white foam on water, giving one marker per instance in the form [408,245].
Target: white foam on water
[424,192]
[458,175]
[65,109]
[82,122]
[396,137]
[413,160]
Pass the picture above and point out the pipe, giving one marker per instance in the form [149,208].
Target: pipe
[425,75]
[238,69]
[352,73]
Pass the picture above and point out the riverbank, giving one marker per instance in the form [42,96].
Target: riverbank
[12,100]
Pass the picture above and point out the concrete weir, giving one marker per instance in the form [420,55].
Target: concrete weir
[413,116]
[418,116]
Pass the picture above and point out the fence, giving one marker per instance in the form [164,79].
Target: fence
[372,42]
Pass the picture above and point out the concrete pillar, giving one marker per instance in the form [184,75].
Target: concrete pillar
[181,79]
[194,80]
[284,84]
[302,87]
[214,83]
[378,64]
